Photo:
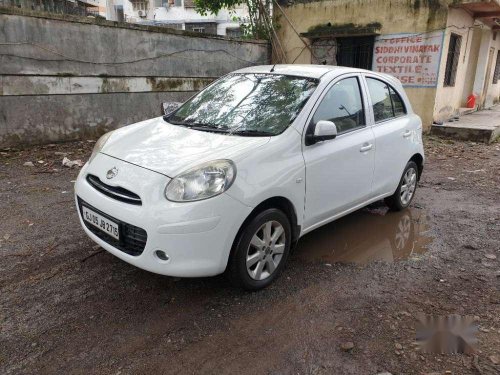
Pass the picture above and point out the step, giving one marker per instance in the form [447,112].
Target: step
[466,133]
[465,111]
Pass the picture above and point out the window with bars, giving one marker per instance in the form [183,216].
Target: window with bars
[139,5]
[355,52]
[496,75]
[452,61]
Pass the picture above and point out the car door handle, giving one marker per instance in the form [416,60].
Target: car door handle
[366,147]
[406,134]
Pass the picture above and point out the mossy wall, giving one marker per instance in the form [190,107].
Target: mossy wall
[380,16]
[65,77]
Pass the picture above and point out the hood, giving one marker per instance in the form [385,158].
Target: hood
[170,149]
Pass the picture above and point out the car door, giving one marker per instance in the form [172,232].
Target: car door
[339,172]
[392,130]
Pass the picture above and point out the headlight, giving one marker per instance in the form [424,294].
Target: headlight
[99,145]
[202,182]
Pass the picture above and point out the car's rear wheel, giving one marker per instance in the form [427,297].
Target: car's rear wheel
[261,250]
[405,192]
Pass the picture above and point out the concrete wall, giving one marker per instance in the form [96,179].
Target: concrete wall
[394,16]
[450,99]
[64,78]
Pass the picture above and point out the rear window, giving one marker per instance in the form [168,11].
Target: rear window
[386,102]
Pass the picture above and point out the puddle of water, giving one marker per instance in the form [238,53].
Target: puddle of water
[371,234]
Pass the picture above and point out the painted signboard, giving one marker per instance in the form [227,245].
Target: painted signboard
[412,58]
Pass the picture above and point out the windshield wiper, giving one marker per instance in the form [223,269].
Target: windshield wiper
[179,123]
[252,133]
[205,127]
[212,128]
[198,126]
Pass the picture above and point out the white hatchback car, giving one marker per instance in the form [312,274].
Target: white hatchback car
[237,174]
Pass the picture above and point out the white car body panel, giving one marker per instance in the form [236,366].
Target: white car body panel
[396,141]
[393,147]
[327,192]
[170,149]
[322,182]
[280,168]
[196,236]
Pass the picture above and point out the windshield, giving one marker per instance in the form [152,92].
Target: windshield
[252,104]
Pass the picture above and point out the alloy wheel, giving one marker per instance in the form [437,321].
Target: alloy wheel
[408,187]
[265,250]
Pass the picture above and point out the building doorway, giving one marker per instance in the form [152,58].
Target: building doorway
[487,79]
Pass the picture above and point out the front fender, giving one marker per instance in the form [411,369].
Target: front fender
[276,170]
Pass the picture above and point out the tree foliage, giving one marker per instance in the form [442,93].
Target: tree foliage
[205,7]
[259,23]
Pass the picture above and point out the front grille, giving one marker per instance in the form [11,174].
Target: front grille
[132,239]
[116,192]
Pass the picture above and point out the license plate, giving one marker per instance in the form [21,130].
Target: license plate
[99,221]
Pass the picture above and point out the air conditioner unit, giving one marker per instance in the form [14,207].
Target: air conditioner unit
[141,13]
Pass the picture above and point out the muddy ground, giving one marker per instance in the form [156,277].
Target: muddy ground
[69,307]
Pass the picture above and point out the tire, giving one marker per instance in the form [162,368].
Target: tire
[266,259]
[399,200]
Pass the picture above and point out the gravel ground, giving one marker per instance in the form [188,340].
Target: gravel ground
[346,304]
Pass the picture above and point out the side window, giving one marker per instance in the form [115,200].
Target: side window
[381,100]
[386,101]
[343,105]
[397,102]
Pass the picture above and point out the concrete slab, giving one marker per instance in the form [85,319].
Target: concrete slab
[466,111]
[481,126]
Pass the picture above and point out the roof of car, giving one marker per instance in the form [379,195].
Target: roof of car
[300,70]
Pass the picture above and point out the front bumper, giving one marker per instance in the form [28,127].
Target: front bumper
[196,236]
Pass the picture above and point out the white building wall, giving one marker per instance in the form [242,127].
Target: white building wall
[100,4]
[450,98]
[475,67]
[132,15]
[111,9]
[171,14]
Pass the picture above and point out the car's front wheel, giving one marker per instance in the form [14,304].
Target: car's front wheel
[405,192]
[261,250]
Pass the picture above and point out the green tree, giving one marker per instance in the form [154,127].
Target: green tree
[260,24]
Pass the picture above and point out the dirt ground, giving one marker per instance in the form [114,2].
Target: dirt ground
[346,304]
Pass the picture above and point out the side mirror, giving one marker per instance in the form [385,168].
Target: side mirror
[169,107]
[323,131]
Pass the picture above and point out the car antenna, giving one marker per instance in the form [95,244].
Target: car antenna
[272,69]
